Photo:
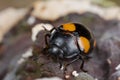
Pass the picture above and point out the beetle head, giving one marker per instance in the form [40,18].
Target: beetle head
[56,51]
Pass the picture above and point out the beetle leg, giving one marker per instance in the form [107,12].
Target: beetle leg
[53,29]
[46,38]
[82,65]
[61,65]
[48,34]
[65,68]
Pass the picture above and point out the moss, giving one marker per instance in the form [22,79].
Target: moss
[84,76]
[66,18]
[104,3]
[87,20]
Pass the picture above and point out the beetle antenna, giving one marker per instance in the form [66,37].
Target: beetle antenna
[45,28]
[49,30]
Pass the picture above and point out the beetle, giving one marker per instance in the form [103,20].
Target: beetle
[70,41]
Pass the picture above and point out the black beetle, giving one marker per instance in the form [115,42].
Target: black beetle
[70,41]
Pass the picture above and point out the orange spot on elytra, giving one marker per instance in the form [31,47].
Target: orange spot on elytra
[84,44]
[69,27]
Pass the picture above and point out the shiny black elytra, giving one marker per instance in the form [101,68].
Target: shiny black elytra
[69,41]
